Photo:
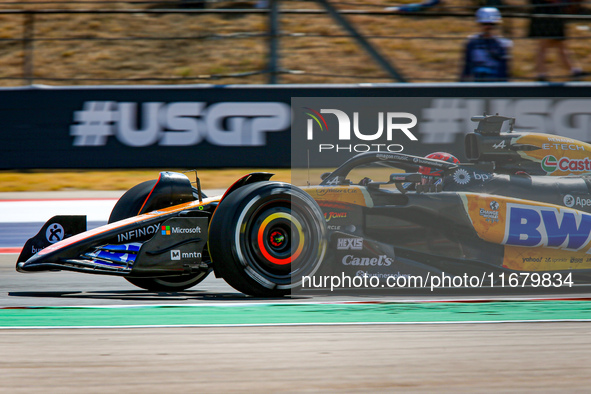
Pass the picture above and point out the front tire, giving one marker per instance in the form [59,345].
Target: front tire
[129,205]
[169,283]
[264,237]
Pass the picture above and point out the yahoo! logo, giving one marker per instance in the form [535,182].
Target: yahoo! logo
[345,124]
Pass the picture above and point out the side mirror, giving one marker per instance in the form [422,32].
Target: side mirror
[398,179]
[412,177]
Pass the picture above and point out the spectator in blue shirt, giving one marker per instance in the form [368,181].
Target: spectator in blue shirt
[486,56]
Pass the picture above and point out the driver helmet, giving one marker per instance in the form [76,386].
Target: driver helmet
[433,175]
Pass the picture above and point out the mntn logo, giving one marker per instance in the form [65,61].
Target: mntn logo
[175,254]
[544,226]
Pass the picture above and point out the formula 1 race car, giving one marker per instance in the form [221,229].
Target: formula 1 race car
[164,235]
[521,204]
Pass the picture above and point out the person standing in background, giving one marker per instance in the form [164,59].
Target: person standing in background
[486,56]
[551,33]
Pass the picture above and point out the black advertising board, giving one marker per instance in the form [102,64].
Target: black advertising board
[201,126]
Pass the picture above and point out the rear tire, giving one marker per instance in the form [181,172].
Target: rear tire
[129,205]
[265,237]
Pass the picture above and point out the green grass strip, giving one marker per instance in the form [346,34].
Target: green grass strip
[294,314]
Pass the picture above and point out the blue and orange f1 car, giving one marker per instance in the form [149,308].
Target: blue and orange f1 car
[520,204]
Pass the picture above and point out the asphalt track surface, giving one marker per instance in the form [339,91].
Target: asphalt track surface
[485,357]
[381,356]
[544,357]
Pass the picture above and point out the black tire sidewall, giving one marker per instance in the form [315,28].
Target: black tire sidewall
[232,251]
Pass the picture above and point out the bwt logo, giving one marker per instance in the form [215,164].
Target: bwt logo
[345,124]
[347,130]
[548,227]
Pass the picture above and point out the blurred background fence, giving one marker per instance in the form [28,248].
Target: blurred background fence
[180,42]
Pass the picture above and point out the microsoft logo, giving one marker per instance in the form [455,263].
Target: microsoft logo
[165,230]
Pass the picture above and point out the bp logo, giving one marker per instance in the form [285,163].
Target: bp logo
[461,177]
[549,164]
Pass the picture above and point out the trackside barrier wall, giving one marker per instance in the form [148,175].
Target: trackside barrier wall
[201,126]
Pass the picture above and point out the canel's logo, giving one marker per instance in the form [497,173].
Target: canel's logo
[345,124]
[545,226]
[382,260]
[549,164]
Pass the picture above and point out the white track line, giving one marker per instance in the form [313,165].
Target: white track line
[300,324]
[299,303]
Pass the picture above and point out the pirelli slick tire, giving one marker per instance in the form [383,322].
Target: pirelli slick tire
[264,237]
[129,205]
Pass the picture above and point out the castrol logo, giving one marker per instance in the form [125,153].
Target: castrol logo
[565,164]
